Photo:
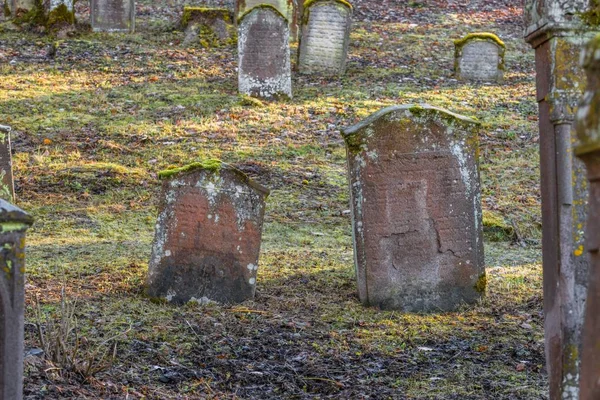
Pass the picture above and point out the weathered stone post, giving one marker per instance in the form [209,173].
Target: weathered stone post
[554,29]
[416,209]
[325,37]
[13,224]
[7,187]
[264,53]
[112,15]
[588,129]
[208,235]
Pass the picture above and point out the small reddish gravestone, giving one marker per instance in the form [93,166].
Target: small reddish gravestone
[264,54]
[208,235]
[416,208]
[13,224]
[588,130]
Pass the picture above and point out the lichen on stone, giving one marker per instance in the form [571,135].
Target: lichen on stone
[265,6]
[459,43]
[309,3]
[189,13]
[213,165]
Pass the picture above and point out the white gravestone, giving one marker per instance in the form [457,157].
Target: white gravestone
[480,57]
[113,15]
[325,37]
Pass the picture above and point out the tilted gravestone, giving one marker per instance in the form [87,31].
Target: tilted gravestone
[208,235]
[13,224]
[479,57]
[212,26]
[588,129]
[415,191]
[113,15]
[290,9]
[557,33]
[7,187]
[325,37]
[264,54]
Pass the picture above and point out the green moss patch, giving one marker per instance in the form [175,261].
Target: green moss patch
[592,16]
[213,165]
[60,16]
[495,227]
[191,14]
[459,43]
[266,6]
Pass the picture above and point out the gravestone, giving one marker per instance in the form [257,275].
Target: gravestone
[290,9]
[325,37]
[13,224]
[557,33]
[7,187]
[415,194]
[588,129]
[479,57]
[18,8]
[113,15]
[61,14]
[208,235]
[211,26]
[264,54]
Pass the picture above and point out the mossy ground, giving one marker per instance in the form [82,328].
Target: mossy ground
[93,127]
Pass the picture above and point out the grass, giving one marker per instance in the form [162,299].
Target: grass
[96,124]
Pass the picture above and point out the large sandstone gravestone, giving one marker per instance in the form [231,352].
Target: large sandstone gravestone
[588,129]
[211,26]
[416,208]
[113,15]
[479,57]
[7,187]
[325,37]
[208,235]
[264,54]
[290,9]
[13,225]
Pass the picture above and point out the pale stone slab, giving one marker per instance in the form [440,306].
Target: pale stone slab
[416,208]
[479,59]
[287,8]
[7,187]
[325,38]
[113,15]
[264,54]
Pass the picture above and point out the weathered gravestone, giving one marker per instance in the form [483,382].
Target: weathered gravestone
[290,9]
[479,57]
[588,129]
[214,26]
[555,30]
[415,190]
[13,224]
[264,54]
[7,187]
[113,15]
[325,37]
[208,235]
[61,13]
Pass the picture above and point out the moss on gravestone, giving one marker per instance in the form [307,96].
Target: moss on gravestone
[60,16]
[592,16]
[267,6]
[213,165]
[189,13]
[309,3]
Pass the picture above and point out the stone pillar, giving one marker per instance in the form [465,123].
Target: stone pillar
[112,15]
[7,187]
[557,35]
[588,129]
[13,224]
[208,235]
[416,209]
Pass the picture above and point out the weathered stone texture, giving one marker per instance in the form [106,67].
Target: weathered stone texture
[113,15]
[325,37]
[208,237]
[7,188]
[264,54]
[558,35]
[212,26]
[287,8]
[414,180]
[479,59]
[588,129]
[13,224]
[20,5]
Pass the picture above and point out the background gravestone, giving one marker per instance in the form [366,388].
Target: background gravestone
[113,15]
[13,224]
[18,8]
[7,187]
[208,235]
[479,57]
[264,54]
[414,180]
[61,14]
[325,37]
[214,26]
[290,9]
[588,128]
[557,33]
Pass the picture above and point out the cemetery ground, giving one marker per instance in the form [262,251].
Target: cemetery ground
[96,116]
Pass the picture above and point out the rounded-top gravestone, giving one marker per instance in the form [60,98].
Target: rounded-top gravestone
[479,57]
